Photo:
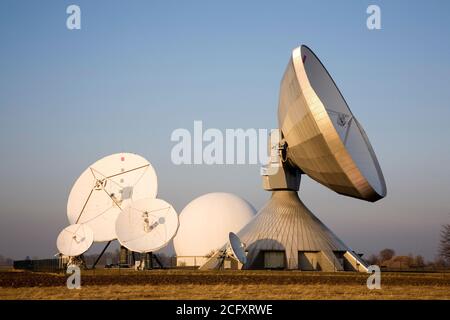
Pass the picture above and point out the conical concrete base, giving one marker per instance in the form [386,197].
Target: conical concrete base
[285,234]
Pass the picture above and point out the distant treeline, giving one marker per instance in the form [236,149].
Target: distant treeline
[387,259]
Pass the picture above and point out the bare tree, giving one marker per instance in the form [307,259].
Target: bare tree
[439,263]
[444,249]
[386,254]
[373,259]
[419,261]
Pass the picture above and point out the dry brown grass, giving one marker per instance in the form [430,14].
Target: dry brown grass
[176,284]
[297,292]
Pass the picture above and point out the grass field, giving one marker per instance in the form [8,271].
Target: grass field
[189,284]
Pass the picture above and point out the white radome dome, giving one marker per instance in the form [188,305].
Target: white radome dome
[206,221]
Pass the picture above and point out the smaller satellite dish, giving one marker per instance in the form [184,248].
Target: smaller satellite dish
[237,247]
[146,225]
[75,240]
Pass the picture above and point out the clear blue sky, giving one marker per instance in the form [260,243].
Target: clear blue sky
[137,70]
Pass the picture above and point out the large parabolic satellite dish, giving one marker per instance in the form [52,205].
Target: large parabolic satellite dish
[105,188]
[320,137]
[147,225]
[323,137]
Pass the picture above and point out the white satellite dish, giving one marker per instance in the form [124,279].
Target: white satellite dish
[147,225]
[237,248]
[106,187]
[75,240]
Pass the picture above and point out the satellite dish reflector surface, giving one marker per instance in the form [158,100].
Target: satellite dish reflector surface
[75,240]
[107,186]
[323,137]
[237,248]
[147,225]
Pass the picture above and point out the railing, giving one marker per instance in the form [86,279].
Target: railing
[44,265]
